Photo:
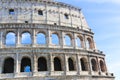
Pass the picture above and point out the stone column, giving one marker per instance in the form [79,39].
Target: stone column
[59,15]
[81,27]
[51,64]
[63,39]
[46,16]
[35,69]
[71,17]
[34,38]
[98,65]
[90,66]
[17,65]
[48,38]
[18,38]
[66,63]
[1,33]
[78,64]
[74,41]
[3,40]
[1,65]
[105,66]
[84,40]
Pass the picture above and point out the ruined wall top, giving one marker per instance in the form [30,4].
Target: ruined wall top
[42,12]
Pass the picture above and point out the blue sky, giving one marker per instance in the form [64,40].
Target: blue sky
[103,17]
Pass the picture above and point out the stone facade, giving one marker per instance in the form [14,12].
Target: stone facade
[59,61]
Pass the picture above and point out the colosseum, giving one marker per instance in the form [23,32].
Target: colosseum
[47,40]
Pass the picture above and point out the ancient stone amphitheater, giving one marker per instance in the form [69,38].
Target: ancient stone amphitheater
[47,40]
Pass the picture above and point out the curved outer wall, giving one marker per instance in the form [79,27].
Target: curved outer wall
[48,17]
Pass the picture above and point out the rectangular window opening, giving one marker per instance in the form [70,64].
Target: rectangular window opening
[11,12]
[66,16]
[40,12]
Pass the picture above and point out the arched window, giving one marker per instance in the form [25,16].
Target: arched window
[94,65]
[68,40]
[26,38]
[84,64]
[25,65]
[55,39]
[41,38]
[78,42]
[10,39]
[8,66]
[71,64]
[89,43]
[57,64]
[42,64]
[102,66]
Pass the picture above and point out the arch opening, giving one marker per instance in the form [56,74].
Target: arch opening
[25,65]
[102,66]
[84,64]
[71,64]
[94,65]
[41,38]
[10,39]
[57,64]
[55,39]
[68,40]
[8,66]
[26,38]
[42,64]
[78,42]
[89,43]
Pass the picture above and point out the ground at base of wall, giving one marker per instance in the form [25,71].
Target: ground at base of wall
[62,78]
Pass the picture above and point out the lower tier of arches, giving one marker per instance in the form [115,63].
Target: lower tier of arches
[50,64]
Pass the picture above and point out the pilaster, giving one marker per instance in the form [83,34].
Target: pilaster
[17,65]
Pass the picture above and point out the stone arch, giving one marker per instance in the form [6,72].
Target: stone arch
[26,38]
[94,64]
[102,66]
[57,64]
[8,65]
[55,38]
[10,39]
[79,41]
[26,64]
[71,64]
[84,64]
[42,64]
[68,40]
[89,43]
[41,38]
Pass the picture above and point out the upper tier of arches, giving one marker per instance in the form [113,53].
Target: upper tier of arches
[48,38]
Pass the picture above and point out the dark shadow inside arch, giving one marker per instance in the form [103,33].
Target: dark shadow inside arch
[8,66]
[42,64]
[94,65]
[102,66]
[71,64]
[57,64]
[84,65]
[25,65]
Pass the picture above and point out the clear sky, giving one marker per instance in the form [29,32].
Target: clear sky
[103,17]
